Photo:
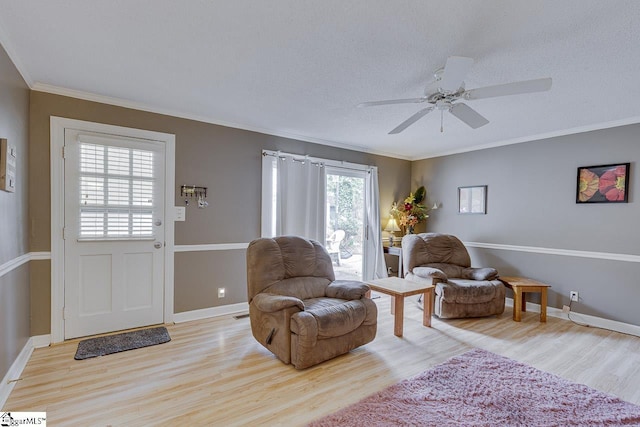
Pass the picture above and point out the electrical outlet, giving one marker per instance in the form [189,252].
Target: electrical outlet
[221,292]
[573,295]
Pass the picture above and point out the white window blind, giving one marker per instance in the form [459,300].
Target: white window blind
[116,192]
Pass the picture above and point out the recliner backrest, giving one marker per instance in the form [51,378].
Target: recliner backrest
[271,260]
[432,248]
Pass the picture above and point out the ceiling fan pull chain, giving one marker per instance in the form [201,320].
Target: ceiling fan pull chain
[441,121]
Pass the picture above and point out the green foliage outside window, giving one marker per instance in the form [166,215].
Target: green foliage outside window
[345,196]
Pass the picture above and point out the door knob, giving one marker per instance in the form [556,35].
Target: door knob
[157,245]
[158,222]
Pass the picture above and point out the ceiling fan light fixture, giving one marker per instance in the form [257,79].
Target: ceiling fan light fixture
[444,104]
[449,87]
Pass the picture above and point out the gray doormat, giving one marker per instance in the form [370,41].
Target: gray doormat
[102,346]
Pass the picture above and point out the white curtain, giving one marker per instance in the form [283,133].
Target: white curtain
[294,202]
[374,265]
[297,205]
[269,169]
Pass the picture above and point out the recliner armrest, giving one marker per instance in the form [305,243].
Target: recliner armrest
[347,289]
[481,273]
[270,303]
[434,273]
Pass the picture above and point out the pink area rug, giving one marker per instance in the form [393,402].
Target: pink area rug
[479,388]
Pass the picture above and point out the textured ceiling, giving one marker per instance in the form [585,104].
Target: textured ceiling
[299,68]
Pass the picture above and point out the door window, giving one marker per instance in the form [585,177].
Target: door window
[116,192]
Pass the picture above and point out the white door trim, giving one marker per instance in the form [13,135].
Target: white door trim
[57,126]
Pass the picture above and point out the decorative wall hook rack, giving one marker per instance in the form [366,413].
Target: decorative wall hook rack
[194,192]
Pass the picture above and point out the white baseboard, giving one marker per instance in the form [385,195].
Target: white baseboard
[205,313]
[14,372]
[597,322]
[40,341]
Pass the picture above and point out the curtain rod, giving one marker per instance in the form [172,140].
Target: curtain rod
[317,162]
[284,157]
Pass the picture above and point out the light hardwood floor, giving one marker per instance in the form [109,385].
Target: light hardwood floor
[213,373]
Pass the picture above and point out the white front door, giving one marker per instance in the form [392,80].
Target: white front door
[114,232]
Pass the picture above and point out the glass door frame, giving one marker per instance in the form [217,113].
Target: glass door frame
[351,173]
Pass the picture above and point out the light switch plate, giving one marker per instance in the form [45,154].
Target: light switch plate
[180,213]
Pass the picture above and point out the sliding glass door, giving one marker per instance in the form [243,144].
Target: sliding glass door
[333,202]
[345,219]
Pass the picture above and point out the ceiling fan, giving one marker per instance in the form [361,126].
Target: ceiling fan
[446,91]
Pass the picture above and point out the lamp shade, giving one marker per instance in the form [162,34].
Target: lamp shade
[392,225]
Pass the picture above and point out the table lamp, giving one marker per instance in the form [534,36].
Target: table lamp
[391,227]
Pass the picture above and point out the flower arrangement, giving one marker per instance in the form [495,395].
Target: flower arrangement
[412,212]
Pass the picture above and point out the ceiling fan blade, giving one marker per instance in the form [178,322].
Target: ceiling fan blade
[393,101]
[455,71]
[468,115]
[527,86]
[411,120]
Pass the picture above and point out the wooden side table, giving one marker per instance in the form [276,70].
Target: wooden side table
[399,289]
[522,285]
[397,251]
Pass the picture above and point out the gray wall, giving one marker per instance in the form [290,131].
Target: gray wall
[226,160]
[531,202]
[14,213]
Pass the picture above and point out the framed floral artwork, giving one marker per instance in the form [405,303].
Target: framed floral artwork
[603,184]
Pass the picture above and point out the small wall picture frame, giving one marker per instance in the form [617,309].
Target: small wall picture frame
[472,200]
[603,183]
[8,162]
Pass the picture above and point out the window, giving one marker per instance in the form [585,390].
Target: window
[345,210]
[116,192]
[333,202]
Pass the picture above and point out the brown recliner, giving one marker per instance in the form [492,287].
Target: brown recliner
[297,309]
[460,290]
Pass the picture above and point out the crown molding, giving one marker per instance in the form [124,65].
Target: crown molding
[537,137]
[11,52]
[119,102]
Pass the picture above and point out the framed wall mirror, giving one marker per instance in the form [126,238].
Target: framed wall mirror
[472,200]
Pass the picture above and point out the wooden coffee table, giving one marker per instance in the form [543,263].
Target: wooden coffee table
[522,285]
[399,289]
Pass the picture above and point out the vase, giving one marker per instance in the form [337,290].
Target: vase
[410,229]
